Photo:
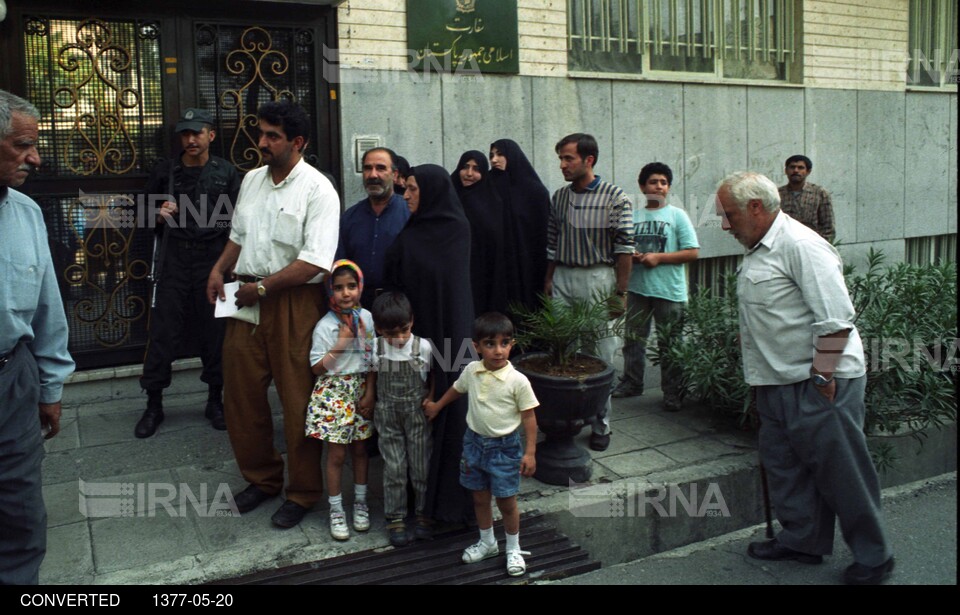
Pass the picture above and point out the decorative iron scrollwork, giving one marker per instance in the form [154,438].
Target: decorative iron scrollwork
[148,30]
[36,26]
[304,38]
[104,226]
[258,62]
[105,143]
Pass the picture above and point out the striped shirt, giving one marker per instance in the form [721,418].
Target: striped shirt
[589,228]
[810,206]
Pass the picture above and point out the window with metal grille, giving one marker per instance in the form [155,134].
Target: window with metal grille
[932,250]
[732,39]
[712,273]
[240,67]
[97,86]
[933,43]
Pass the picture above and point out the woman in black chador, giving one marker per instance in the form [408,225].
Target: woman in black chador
[526,204]
[484,209]
[430,262]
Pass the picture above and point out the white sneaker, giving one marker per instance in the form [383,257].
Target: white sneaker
[515,564]
[361,517]
[338,526]
[479,552]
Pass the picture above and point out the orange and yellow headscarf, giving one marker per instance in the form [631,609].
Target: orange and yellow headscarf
[350,317]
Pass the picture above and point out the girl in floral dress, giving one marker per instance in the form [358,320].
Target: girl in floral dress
[341,407]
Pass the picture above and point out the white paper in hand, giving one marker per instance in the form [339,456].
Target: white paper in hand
[229,307]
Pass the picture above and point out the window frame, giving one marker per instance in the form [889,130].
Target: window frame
[944,17]
[788,52]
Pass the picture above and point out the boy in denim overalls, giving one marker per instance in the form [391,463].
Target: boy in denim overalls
[402,364]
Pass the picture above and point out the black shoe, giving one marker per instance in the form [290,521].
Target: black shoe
[626,388]
[250,498]
[858,574]
[214,412]
[423,530]
[773,550]
[148,423]
[397,531]
[599,442]
[289,515]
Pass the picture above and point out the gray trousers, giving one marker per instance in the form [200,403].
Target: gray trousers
[23,518]
[819,468]
[644,309]
[405,443]
[572,283]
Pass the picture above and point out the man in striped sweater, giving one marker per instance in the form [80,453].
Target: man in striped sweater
[589,245]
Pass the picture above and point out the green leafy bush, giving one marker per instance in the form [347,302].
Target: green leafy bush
[906,316]
[707,350]
[562,329]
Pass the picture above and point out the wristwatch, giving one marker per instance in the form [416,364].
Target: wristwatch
[261,290]
[819,380]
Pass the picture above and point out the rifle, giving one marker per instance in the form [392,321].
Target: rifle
[160,251]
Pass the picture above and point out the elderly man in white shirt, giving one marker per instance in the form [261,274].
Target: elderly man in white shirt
[283,240]
[803,355]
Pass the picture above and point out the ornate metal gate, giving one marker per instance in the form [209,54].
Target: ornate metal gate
[239,68]
[109,89]
[97,85]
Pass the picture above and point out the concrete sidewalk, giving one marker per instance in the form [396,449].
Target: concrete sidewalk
[921,523]
[154,510]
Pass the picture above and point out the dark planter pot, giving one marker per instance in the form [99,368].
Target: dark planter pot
[566,405]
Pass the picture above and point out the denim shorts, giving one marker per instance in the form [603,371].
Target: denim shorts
[491,463]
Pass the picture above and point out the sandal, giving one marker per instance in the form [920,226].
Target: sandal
[515,565]
[338,526]
[361,517]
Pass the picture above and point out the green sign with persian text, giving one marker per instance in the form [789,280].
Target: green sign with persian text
[463,36]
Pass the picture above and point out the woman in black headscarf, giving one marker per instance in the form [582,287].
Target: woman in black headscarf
[430,262]
[484,210]
[526,203]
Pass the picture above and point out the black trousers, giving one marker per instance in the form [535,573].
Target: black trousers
[182,306]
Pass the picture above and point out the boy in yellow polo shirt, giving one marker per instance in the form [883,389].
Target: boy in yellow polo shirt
[500,400]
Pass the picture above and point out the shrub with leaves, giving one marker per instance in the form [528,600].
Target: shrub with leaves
[707,350]
[561,329]
[906,316]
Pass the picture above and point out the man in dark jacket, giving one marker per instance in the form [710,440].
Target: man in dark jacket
[198,193]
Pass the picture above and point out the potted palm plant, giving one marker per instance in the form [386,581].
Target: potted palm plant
[570,385]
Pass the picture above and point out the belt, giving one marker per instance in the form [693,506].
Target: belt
[6,358]
[570,266]
[248,279]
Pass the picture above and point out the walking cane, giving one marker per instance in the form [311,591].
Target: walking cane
[766,500]
[764,487]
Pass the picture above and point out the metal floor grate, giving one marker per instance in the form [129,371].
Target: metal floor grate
[437,562]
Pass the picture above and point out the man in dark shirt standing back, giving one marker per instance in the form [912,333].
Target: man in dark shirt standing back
[368,228]
[804,201]
[204,191]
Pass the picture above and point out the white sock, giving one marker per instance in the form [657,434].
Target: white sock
[336,503]
[360,494]
[487,537]
[513,542]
